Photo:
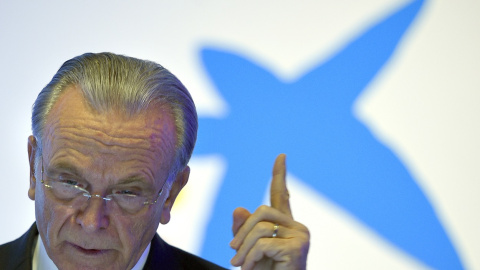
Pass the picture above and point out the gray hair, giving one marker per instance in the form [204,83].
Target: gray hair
[129,85]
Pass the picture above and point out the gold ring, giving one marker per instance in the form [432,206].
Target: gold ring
[275,230]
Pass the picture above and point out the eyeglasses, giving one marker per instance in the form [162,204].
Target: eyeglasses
[70,191]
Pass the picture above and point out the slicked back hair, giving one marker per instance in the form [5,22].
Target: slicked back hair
[124,84]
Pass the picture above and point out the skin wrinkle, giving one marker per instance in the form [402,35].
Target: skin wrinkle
[139,173]
[77,155]
[113,182]
[99,118]
[102,153]
[103,138]
[66,168]
[157,138]
[100,139]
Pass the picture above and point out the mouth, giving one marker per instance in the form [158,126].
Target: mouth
[90,252]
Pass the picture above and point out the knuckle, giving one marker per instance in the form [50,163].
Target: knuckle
[263,227]
[276,192]
[262,209]
[303,229]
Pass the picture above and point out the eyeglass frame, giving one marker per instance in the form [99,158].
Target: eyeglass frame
[89,195]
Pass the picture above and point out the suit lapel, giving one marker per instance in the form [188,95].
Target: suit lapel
[18,254]
[161,254]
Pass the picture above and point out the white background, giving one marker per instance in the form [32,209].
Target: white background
[424,105]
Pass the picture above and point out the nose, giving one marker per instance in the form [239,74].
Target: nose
[92,217]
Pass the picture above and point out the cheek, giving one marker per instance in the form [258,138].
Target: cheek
[50,217]
[42,214]
[137,232]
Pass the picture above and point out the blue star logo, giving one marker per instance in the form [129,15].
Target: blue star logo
[311,120]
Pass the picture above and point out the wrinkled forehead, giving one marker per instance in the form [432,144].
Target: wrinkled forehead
[73,119]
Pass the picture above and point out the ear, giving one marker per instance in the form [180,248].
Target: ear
[177,185]
[32,150]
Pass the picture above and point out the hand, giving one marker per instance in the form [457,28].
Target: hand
[254,240]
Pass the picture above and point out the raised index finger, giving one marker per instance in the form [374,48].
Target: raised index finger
[279,197]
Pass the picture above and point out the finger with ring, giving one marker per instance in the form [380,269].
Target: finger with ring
[275,230]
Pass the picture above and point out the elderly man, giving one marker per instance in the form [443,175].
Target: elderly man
[112,137]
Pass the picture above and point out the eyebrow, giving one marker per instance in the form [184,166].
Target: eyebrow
[63,166]
[72,169]
[133,180]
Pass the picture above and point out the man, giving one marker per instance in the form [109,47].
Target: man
[112,137]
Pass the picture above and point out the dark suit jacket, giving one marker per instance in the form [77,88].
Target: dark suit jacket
[18,254]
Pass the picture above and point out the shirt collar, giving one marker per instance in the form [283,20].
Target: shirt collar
[41,261]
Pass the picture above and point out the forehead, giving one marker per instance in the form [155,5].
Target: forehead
[73,125]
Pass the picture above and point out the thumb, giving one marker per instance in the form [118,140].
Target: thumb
[240,215]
